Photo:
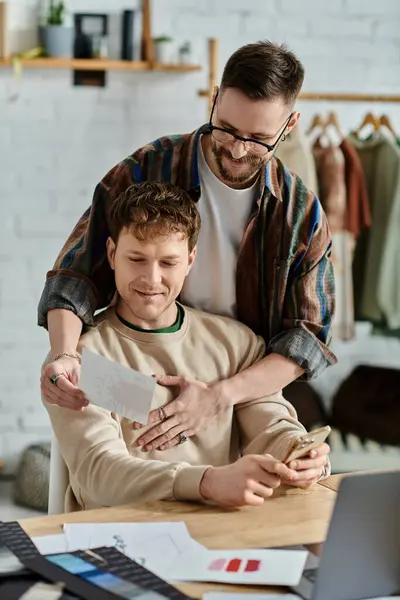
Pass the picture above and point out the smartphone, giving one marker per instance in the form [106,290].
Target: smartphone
[307,442]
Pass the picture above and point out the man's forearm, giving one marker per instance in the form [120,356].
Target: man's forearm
[64,330]
[266,377]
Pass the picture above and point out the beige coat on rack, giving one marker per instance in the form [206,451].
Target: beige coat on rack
[330,164]
[296,154]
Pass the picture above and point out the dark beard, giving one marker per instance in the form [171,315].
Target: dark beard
[255,163]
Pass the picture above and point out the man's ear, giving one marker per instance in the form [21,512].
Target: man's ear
[293,122]
[192,256]
[111,247]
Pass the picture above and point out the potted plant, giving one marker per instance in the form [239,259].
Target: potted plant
[162,47]
[56,37]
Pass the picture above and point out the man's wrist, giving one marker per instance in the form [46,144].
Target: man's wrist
[224,391]
[57,356]
[62,349]
[205,487]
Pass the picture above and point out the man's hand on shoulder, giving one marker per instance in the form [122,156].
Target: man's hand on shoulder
[247,482]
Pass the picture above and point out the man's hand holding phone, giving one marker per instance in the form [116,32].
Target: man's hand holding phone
[309,457]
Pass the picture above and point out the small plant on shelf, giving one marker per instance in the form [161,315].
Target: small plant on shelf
[56,37]
[162,39]
[55,15]
[162,45]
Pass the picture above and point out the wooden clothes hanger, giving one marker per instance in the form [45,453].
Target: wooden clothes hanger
[385,122]
[369,119]
[324,124]
[318,121]
[333,121]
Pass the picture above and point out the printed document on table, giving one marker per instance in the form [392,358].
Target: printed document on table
[51,544]
[154,545]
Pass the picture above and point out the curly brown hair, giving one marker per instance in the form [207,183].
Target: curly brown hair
[152,208]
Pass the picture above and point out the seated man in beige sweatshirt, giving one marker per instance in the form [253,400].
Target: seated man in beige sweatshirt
[237,460]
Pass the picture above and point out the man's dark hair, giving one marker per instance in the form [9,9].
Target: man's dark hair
[149,209]
[264,71]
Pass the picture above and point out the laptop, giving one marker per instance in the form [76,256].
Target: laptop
[361,555]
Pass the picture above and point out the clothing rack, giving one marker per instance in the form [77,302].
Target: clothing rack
[332,97]
[213,48]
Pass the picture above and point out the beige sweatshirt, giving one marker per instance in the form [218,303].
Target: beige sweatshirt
[105,466]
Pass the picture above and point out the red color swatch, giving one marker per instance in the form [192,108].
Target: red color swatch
[233,565]
[252,565]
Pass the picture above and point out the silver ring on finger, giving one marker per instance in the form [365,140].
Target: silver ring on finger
[54,378]
[324,473]
[162,414]
[182,438]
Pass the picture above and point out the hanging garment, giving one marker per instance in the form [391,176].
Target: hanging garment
[343,243]
[330,165]
[377,260]
[358,211]
[296,154]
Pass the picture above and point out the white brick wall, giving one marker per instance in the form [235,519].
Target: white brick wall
[56,141]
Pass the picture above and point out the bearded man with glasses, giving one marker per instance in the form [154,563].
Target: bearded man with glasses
[263,256]
[255,148]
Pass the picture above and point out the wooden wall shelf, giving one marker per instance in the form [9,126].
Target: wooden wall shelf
[78,64]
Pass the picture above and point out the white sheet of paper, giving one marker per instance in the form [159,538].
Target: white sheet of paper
[116,387]
[51,544]
[228,596]
[157,554]
[269,567]
[8,562]
[155,545]
[44,591]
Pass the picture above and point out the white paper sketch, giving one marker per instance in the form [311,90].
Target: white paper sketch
[51,544]
[116,387]
[154,545]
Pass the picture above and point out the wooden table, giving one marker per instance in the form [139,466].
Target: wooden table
[333,482]
[290,517]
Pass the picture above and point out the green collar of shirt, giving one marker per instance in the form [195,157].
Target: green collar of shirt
[171,329]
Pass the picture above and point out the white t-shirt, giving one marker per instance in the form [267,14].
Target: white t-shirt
[211,284]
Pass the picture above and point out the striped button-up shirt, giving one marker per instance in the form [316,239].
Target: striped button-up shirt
[284,278]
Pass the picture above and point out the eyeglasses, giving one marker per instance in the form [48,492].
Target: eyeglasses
[223,136]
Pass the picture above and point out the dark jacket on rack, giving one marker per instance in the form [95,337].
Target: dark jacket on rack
[358,212]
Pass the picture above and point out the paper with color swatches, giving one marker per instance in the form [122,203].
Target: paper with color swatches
[259,567]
